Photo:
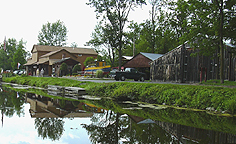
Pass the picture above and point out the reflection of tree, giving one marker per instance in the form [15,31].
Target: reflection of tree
[10,102]
[51,128]
[146,133]
[111,127]
[106,128]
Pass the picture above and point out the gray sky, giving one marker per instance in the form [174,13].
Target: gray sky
[23,19]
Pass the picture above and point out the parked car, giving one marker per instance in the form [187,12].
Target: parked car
[16,71]
[113,73]
[19,72]
[130,73]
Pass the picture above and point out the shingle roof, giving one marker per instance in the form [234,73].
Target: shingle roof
[69,49]
[151,56]
[53,52]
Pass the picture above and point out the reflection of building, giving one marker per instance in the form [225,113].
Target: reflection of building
[44,107]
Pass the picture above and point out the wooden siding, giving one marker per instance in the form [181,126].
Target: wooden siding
[179,66]
[138,61]
[43,56]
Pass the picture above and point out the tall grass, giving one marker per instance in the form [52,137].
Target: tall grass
[190,96]
[44,81]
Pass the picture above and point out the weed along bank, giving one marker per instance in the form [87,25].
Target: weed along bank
[60,117]
[218,99]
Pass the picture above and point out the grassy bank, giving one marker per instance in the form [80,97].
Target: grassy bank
[187,96]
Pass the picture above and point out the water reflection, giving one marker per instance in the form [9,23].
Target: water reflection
[115,123]
[10,103]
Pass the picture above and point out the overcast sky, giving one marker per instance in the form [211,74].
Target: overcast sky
[23,19]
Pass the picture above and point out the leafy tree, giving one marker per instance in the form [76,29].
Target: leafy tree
[53,34]
[19,56]
[15,52]
[74,45]
[64,69]
[88,59]
[76,68]
[132,38]
[115,15]
[100,40]
[211,24]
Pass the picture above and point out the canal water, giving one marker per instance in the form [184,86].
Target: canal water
[29,118]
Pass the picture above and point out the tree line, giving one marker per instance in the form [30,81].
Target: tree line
[205,24]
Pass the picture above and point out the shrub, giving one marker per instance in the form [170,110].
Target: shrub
[64,69]
[76,68]
[99,74]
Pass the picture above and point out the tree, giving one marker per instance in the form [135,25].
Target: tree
[64,69]
[100,40]
[19,56]
[15,53]
[53,34]
[76,68]
[156,34]
[115,15]
[131,39]
[212,22]
[74,45]
[88,59]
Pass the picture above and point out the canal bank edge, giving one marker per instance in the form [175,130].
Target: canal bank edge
[215,99]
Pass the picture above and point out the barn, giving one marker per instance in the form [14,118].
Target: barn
[142,61]
[179,66]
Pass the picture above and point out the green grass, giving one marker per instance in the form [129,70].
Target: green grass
[44,81]
[187,96]
[217,83]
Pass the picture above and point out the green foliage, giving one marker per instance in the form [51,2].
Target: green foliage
[43,81]
[99,74]
[197,97]
[100,40]
[191,96]
[88,60]
[76,68]
[217,83]
[15,53]
[64,69]
[53,34]
[114,17]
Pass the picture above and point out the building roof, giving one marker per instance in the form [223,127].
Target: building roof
[30,63]
[47,48]
[127,57]
[54,52]
[64,59]
[151,56]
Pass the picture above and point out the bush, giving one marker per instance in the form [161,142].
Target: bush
[99,74]
[64,69]
[88,60]
[76,68]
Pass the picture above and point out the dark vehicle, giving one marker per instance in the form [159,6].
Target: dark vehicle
[130,73]
[113,73]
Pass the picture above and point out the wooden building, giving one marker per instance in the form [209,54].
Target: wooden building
[142,61]
[50,58]
[179,66]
